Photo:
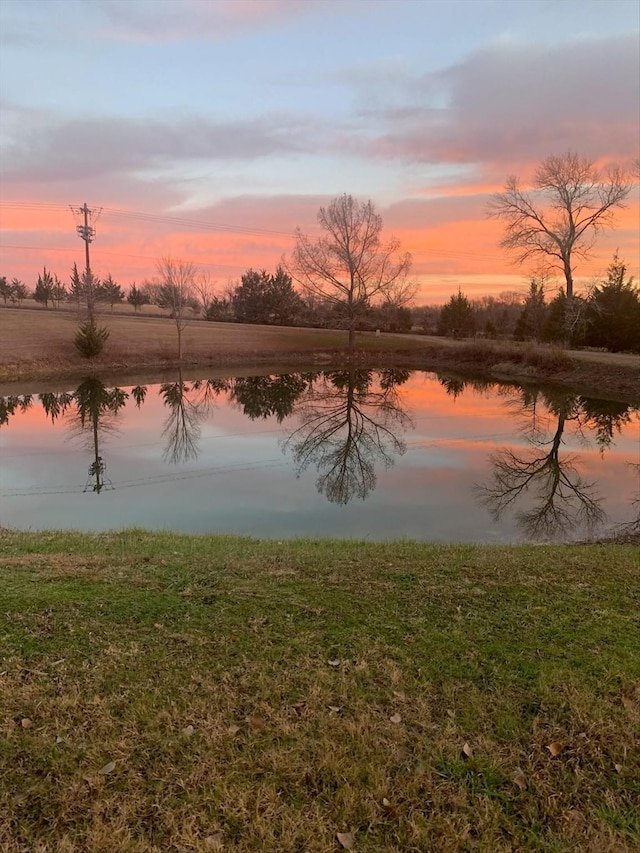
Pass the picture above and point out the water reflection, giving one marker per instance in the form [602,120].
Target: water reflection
[349,420]
[349,423]
[344,427]
[269,396]
[559,501]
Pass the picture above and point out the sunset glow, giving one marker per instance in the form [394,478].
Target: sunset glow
[211,131]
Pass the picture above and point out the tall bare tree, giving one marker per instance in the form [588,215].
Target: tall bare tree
[204,288]
[559,219]
[175,291]
[349,266]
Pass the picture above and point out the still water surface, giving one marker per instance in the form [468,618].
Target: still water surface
[351,453]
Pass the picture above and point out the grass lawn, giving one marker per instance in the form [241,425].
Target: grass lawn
[174,693]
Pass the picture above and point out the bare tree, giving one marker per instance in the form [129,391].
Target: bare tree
[560,218]
[349,266]
[203,288]
[177,279]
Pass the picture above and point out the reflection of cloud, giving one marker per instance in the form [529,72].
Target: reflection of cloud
[155,20]
[175,20]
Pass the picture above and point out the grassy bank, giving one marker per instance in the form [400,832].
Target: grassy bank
[38,345]
[162,692]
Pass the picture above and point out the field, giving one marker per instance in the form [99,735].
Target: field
[38,344]
[172,693]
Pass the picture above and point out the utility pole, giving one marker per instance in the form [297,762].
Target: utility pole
[87,233]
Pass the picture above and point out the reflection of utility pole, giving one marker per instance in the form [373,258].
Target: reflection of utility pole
[87,232]
[98,468]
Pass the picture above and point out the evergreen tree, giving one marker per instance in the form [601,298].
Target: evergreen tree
[284,304]
[565,320]
[456,317]
[76,289]
[137,297]
[613,313]
[251,300]
[5,289]
[44,288]
[111,292]
[18,290]
[532,319]
[58,292]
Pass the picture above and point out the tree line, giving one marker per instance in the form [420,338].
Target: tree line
[607,316]
[350,277]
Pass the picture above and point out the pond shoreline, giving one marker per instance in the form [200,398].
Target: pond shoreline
[593,377]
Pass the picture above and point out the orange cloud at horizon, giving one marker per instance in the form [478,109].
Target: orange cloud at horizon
[452,244]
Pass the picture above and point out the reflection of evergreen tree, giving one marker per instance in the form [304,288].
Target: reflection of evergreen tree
[452,385]
[349,424]
[93,414]
[55,405]
[139,394]
[266,396]
[606,417]
[12,404]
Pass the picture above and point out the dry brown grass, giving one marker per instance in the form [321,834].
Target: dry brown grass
[38,344]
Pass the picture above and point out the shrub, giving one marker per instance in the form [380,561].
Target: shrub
[90,339]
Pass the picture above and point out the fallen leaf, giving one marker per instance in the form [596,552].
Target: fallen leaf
[335,708]
[233,730]
[188,731]
[386,803]
[399,695]
[520,779]
[618,768]
[555,748]
[573,816]
[59,739]
[467,751]
[628,703]
[26,723]
[396,718]
[108,768]
[257,723]
[346,839]
[451,714]
[334,662]
[214,842]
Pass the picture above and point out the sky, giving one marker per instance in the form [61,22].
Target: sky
[209,130]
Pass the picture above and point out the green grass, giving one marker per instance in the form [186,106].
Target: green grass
[265,696]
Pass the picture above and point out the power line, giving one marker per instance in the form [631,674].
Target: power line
[154,217]
[227,228]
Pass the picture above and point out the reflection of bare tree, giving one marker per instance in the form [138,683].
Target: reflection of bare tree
[349,424]
[561,498]
[629,531]
[189,404]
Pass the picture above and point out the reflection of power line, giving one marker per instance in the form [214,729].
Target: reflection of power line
[150,481]
[153,443]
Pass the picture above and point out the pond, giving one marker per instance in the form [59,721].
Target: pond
[353,453]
